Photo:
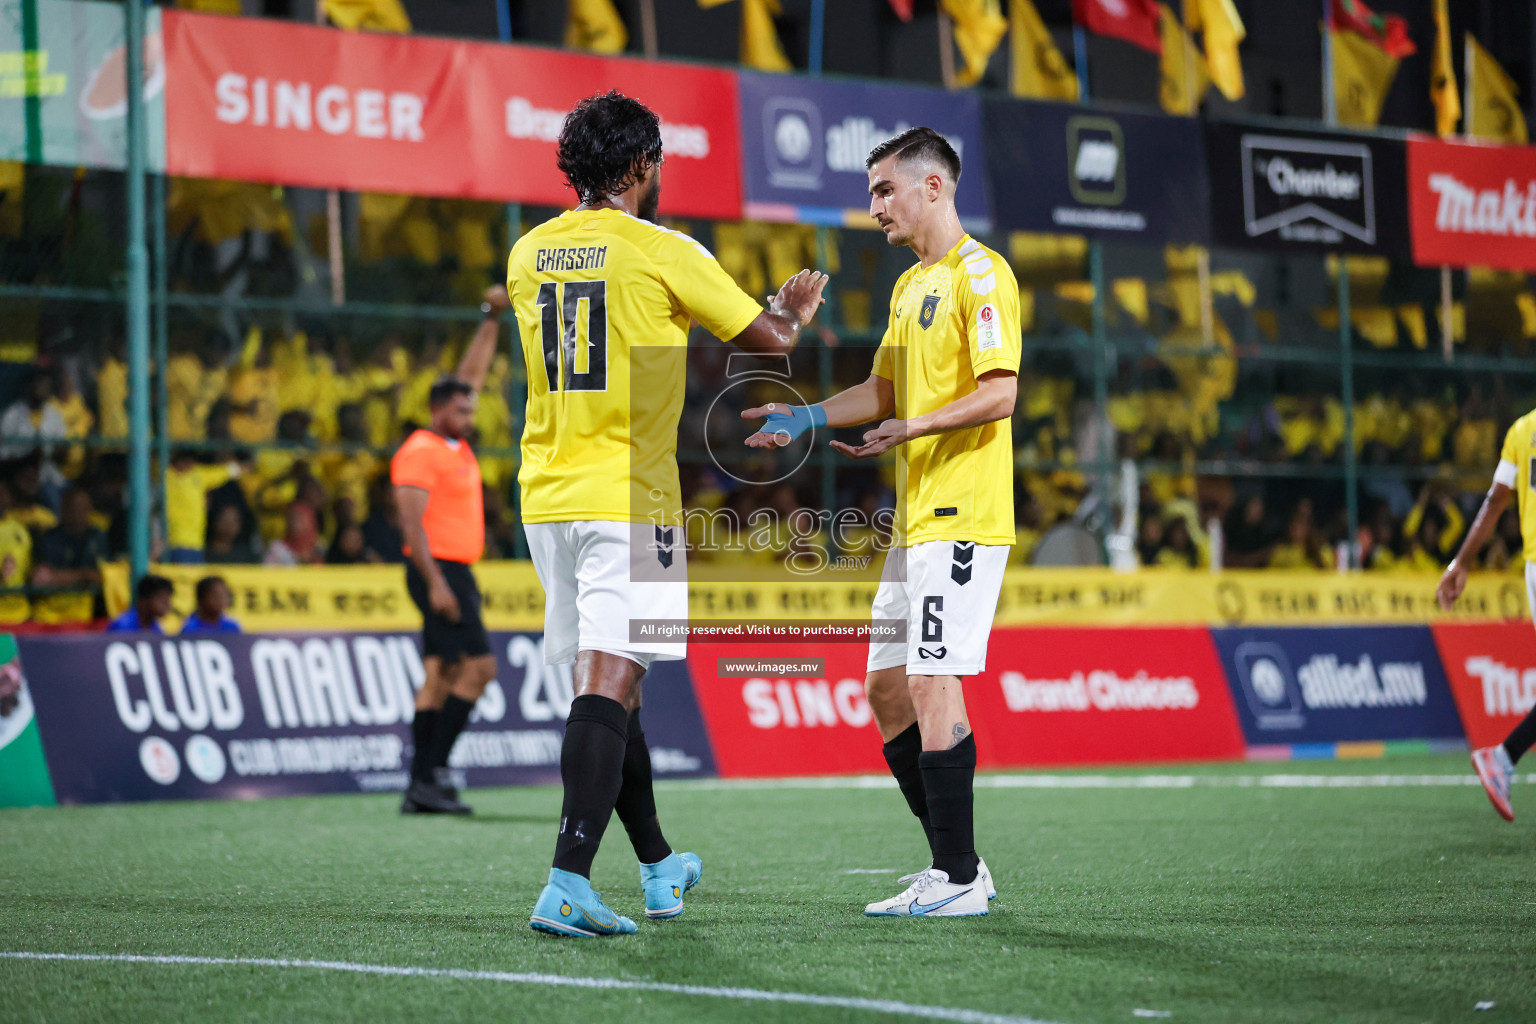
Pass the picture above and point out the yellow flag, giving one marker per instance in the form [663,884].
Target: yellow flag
[1038,67]
[378,15]
[979,27]
[1185,76]
[594,25]
[760,47]
[1442,76]
[1362,74]
[1223,32]
[1494,112]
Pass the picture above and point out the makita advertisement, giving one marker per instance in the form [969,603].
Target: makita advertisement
[804,142]
[1471,203]
[1074,170]
[1307,191]
[139,717]
[1492,671]
[1343,684]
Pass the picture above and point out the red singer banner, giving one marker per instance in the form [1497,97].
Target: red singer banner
[1102,696]
[253,99]
[768,725]
[1048,697]
[1472,204]
[1492,671]
[260,100]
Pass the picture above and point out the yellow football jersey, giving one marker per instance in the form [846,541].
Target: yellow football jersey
[950,323]
[1518,446]
[603,303]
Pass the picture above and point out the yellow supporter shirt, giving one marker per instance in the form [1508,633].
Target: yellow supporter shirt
[112,397]
[191,391]
[1516,460]
[186,503]
[603,303]
[950,323]
[15,567]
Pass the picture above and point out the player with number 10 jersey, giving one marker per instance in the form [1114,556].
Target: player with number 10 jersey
[604,299]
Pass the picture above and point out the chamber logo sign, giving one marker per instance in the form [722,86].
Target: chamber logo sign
[1306,190]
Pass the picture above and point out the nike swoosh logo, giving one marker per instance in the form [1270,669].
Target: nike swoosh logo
[603,926]
[917,909]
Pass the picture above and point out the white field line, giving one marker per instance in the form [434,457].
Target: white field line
[885,1006]
[1264,781]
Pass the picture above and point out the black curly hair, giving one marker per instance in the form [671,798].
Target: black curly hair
[606,145]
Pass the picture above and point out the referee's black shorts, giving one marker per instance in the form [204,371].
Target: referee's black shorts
[450,641]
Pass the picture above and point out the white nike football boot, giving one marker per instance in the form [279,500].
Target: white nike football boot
[932,894]
[983,877]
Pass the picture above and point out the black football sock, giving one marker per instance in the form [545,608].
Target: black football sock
[1523,737]
[423,726]
[451,721]
[948,776]
[592,769]
[902,756]
[636,804]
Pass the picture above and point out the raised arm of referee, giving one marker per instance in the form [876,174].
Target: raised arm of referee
[442,521]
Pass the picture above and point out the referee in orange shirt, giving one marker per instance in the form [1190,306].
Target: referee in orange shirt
[442,522]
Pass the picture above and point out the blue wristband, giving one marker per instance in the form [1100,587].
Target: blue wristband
[794,421]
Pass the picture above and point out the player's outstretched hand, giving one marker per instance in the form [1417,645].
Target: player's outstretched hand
[785,423]
[876,442]
[801,296]
[497,296]
[1451,585]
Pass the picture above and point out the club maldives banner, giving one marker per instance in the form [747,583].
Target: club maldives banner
[1340,684]
[138,717]
[1113,175]
[1492,671]
[266,100]
[1472,203]
[805,140]
[1306,191]
[63,84]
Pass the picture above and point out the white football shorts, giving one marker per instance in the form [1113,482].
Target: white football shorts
[947,592]
[598,576]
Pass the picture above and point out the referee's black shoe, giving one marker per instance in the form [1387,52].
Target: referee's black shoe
[430,798]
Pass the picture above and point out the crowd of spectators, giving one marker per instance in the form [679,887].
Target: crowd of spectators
[279,456]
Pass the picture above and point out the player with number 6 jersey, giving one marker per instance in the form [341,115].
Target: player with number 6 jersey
[943,389]
[604,299]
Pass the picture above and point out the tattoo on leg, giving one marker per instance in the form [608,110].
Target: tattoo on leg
[957,734]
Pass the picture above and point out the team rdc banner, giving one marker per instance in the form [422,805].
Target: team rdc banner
[1067,169]
[142,717]
[1303,191]
[263,100]
[805,140]
[1472,204]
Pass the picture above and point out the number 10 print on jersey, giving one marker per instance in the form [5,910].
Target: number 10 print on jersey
[562,328]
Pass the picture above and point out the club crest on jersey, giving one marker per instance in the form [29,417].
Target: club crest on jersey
[929,311]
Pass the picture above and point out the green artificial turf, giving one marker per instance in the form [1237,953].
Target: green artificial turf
[1211,903]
